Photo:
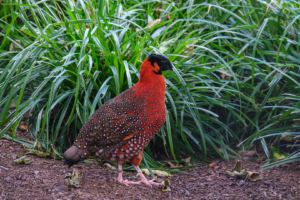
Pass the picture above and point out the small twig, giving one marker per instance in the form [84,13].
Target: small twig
[57,11]
[246,176]
[4,167]
[295,142]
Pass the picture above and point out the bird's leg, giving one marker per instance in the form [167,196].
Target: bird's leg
[143,179]
[120,174]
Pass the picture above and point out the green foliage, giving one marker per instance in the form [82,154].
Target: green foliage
[236,78]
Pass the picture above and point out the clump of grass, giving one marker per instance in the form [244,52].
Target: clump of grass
[236,78]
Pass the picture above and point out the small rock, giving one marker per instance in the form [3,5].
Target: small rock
[208,178]
[60,188]
[187,193]
[241,183]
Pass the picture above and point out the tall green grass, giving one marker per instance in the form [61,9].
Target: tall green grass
[236,79]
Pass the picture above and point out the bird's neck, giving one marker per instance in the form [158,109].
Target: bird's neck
[152,80]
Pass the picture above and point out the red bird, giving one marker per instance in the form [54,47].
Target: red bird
[122,127]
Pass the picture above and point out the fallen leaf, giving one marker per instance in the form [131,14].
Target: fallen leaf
[189,48]
[156,172]
[276,154]
[73,179]
[153,23]
[40,151]
[254,176]
[173,165]
[23,127]
[238,166]
[224,74]
[213,165]
[157,180]
[242,174]
[187,161]
[166,186]
[23,160]
[109,166]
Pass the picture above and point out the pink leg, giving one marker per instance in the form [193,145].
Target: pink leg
[120,175]
[143,179]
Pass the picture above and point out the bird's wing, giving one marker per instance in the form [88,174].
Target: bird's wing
[115,121]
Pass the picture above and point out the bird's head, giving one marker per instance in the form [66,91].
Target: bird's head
[154,65]
[158,63]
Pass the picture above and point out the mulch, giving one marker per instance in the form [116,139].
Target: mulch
[44,179]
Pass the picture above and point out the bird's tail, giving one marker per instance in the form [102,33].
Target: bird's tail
[71,156]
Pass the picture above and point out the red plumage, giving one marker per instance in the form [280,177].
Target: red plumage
[120,129]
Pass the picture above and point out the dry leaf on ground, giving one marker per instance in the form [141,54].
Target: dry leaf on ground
[23,160]
[173,165]
[109,166]
[166,186]
[242,174]
[156,172]
[73,179]
[187,161]
[276,154]
[40,151]
[23,127]
[213,165]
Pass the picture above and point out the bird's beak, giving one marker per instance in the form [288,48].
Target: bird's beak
[167,66]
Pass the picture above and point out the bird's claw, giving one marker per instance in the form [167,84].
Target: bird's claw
[143,180]
[141,175]
[148,183]
[121,181]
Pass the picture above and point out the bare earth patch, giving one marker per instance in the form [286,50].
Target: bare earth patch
[44,179]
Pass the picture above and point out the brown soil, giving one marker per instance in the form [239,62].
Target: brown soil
[44,179]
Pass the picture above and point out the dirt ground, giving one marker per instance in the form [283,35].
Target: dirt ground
[44,179]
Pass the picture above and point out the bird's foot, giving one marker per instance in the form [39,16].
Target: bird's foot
[140,174]
[122,182]
[143,180]
[120,179]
